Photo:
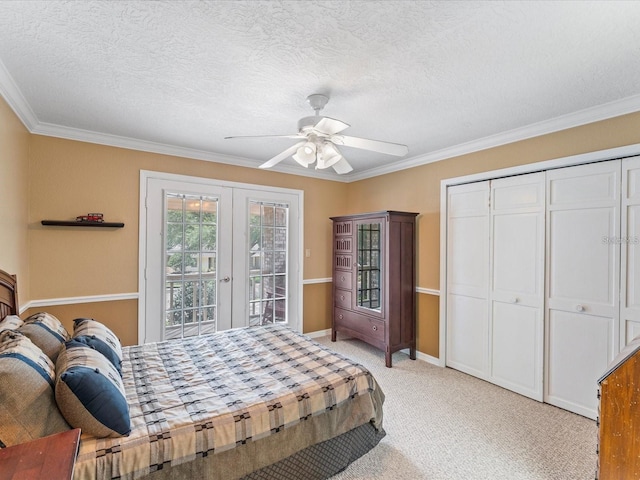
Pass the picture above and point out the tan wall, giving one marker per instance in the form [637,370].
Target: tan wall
[418,190]
[14,203]
[120,315]
[317,309]
[70,178]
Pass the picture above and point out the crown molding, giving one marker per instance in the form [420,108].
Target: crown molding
[14,98]
[582,117]
[58,131]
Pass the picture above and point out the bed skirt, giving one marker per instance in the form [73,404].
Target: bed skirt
[310,450]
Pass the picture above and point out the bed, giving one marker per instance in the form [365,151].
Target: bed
[250,403]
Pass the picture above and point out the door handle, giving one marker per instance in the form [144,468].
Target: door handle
[226,279]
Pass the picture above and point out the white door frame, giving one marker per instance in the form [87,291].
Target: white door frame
[597,156]
[296,272]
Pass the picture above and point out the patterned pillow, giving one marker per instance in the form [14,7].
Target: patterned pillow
[97,336]
[10,322]
[46,332]
[90,393]
[28,407]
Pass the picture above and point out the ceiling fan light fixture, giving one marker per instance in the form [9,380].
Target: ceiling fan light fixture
[328,156]
[306,154]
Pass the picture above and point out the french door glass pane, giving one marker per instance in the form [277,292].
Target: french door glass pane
[268,272]
[191,265]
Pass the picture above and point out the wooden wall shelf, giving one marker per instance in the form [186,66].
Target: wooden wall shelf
[69,223]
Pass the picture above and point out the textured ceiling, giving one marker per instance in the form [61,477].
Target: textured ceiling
[442,77]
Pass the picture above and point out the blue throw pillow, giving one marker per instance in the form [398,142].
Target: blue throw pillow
[90,393]
[97,336]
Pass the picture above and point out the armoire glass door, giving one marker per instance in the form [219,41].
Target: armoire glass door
[369,265]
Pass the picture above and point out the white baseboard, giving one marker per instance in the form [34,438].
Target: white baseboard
[419,355]
[424,357]
[319,333]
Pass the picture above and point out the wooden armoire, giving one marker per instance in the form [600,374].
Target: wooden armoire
[374,280]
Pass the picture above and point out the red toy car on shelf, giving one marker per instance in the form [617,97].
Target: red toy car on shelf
[90,217]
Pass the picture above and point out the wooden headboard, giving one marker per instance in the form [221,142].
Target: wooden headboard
[8,295]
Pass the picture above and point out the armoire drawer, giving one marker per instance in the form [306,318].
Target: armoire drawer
[367,326]
[342,298]
[342,280]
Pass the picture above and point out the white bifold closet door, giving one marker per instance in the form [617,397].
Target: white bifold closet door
[468,278]
[583,272]
[630,251]
[516,317]
[495,281]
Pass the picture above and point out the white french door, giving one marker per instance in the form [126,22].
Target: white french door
[216,255]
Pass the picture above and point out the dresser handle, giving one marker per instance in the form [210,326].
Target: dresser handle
[375,327]
[579,308]
[342,297]
[340,316]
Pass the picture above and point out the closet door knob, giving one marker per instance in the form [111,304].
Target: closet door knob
[514,300]
[579,308]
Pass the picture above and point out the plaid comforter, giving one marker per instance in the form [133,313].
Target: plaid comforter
[204,395]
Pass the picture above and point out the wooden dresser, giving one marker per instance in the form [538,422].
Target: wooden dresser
[374,280]
[51,457]
[619,416]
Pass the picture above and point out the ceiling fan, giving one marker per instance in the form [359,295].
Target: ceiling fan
[319,140]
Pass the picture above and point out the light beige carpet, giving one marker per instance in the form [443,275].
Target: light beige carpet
[442,424]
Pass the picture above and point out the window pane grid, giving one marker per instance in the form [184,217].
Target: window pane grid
[369,265]
[191,261]
[268,270]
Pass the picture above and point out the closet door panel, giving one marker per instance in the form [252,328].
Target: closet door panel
[516,348]
[517,283]
[469,266]
[630,251]
[581,265]
[517,253]
[468,278]
[467,335]
[583,271]
[580,346]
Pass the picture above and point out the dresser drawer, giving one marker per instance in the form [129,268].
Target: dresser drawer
[342,280]
[342,298]
[359,323]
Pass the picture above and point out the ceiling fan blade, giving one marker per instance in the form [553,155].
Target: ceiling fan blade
[330,126]
[372,145]
[297,135]
[342,166]
[281,156]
